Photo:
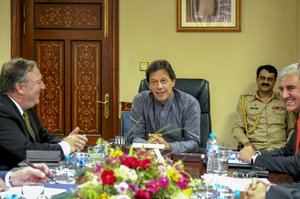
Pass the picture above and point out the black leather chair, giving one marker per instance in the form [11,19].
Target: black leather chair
[125,122]
[199,88]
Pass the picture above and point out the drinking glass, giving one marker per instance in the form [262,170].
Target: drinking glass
[64,175]
[97,153]
[224,156]
[119,140]
[204,192]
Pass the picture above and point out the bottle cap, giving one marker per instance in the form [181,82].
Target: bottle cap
[68,158]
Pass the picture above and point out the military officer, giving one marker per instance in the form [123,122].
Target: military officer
[261,120]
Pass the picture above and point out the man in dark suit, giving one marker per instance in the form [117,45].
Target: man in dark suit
[26,175]
[20,128]
[258,189]
[286,159]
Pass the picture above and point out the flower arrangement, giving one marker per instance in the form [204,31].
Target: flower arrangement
[136,175]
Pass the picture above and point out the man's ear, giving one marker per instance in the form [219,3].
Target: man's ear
[19,88]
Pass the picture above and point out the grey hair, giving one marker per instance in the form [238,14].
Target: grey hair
[14,71]
[291,69]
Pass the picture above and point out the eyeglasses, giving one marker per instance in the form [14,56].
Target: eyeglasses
[244,174]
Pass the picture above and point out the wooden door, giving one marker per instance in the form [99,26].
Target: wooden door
[75,45]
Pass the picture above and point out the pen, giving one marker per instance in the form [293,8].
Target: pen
[31,165]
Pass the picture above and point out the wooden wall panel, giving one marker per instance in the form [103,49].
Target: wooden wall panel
[68,16]
[50,59]
[86,85]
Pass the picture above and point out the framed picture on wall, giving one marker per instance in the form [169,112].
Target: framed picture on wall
[208,15]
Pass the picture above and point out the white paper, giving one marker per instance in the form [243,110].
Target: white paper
[148,146]
[233,183]
[158,155]
[18,191]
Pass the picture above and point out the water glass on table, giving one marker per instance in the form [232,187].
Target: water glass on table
[97,153]
[224,156]
[120,140]
[64,175]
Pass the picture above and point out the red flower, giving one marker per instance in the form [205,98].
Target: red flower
[131,162]
[185,178]
[108,177]
[142,194]
[145,164]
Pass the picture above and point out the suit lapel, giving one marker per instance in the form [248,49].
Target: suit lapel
[17,115]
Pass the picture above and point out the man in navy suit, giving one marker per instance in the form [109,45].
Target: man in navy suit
[286,159]
[26,175]
[258,189]
[20,128]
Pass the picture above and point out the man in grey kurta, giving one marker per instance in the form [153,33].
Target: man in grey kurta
[164,107]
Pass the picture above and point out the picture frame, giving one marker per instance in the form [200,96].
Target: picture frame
[208,15]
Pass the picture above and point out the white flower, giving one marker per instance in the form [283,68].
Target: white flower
[132,175]
[162,170]
[121,187]
[96,180]
[128,173]
[124,169]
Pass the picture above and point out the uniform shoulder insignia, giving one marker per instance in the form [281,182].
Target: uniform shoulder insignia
[249,95]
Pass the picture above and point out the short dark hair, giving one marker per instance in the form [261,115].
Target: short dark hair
[158,65]
[269,68]
[14,71]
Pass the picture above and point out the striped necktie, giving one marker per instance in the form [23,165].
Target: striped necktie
[28,125]
[298,136]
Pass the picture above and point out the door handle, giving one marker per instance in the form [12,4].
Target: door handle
[106,105]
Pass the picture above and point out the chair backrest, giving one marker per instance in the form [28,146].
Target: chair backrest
[199,88]
[125,122]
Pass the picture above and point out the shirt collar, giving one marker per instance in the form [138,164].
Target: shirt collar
[274,95]
[167,103]
[18,106]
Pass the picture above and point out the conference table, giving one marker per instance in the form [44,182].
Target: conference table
[194,165]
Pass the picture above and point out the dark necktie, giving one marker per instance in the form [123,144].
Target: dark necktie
[298,136]
[28,125]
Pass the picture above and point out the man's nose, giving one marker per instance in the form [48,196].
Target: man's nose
[43,86]
[284,94]
[159,84]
